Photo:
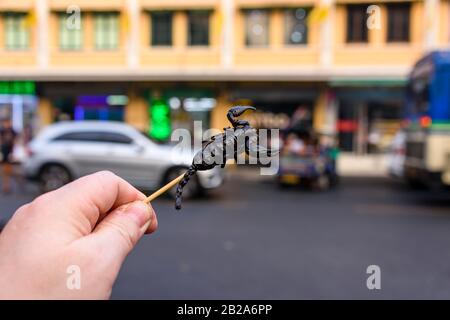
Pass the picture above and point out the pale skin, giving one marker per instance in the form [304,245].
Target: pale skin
[92,223]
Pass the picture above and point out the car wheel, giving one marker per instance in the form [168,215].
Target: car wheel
[53,177]
[190,190]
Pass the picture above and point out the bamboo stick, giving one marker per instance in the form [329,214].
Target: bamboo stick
[159,192]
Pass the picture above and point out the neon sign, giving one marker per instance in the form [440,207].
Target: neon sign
[17,87]
[160,128]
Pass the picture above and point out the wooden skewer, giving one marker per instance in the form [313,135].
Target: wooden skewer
[159,192]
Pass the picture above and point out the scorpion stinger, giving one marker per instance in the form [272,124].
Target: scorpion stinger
[236,112]
[222,147]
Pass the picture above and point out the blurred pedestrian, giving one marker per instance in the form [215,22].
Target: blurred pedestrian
[7,141]
[293,145]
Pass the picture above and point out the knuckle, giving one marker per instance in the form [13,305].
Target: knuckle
[105,176]
[25,209]
[39,202]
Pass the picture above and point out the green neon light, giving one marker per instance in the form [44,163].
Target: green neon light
[17,87]
[160,120]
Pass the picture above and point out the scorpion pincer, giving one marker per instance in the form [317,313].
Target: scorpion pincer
[241,137]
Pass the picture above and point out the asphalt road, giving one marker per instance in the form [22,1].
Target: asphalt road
[251,240]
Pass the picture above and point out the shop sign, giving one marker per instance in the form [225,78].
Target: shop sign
[17,87]
[347,125]
[269,120]
[160,128]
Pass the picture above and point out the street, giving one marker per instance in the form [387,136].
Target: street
[252,240]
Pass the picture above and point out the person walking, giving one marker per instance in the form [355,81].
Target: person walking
[7,140]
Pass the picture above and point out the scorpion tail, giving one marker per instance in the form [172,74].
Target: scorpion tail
[190,172]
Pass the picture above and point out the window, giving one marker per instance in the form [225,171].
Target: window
[95,136]
[198,25]
[70,35]
[256,28]
[113,137]
[356,23]
[296,31]
[161,28]
[420,93]
[16,31]
[106,30]
[398,22]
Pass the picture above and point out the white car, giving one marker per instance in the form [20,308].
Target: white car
[68,150]
[396,155]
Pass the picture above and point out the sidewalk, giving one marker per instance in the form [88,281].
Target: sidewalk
[349,165]
[364,166]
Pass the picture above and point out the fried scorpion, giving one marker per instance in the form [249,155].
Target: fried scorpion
[241,137]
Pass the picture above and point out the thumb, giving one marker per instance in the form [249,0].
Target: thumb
[120,230]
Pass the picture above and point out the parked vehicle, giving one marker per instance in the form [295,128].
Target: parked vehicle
[428,116]
[304,161]
[396,155]
[68,150]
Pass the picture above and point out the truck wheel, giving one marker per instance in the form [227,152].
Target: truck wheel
[323,182]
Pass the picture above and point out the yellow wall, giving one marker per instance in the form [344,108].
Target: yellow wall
[87,5]
[136,112]
[45,111]
[178,4]
[320,109]
[377,52]
[18,58]
[180,55]
[219,114]
[277,53]
[444,20]
[15,5]
[88,56]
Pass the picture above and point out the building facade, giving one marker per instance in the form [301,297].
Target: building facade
[159,64]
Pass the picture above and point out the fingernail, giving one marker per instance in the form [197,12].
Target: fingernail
[145,227]
[139,212]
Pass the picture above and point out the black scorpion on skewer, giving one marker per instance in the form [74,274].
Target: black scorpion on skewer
[228,144]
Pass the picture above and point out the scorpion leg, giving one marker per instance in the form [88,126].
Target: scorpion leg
[252,147]
[190,172]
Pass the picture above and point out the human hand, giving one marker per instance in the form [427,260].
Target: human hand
[91,223]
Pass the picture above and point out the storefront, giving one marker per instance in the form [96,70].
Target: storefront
[153,108]
[363,115]
[171,109]
[18,103]
[279,108]
[100,107]
[369,115]
[85,101]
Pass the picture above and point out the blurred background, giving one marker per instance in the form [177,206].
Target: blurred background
[360,91]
